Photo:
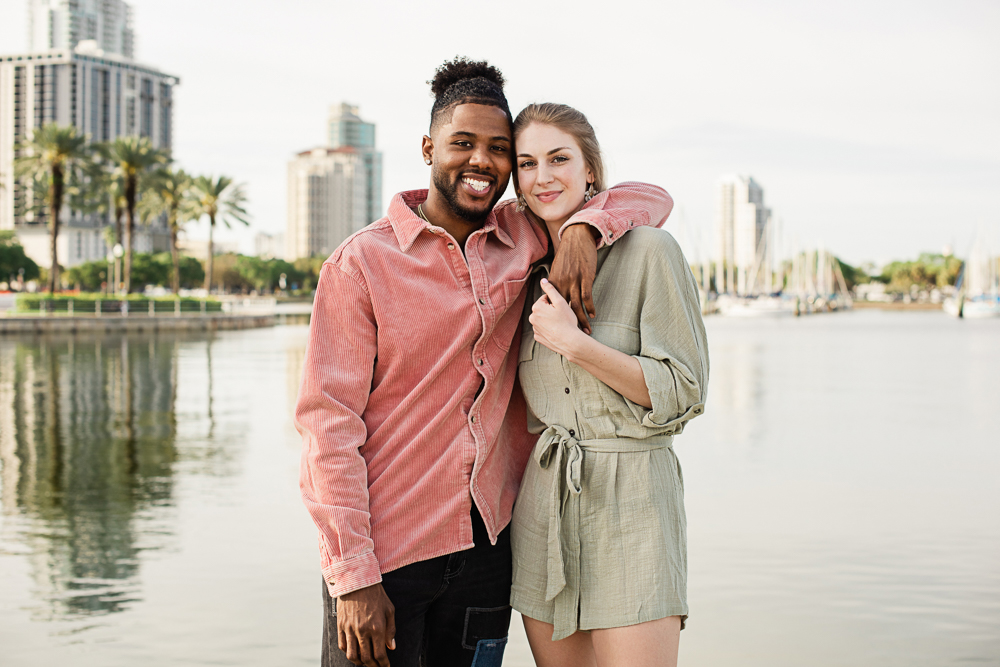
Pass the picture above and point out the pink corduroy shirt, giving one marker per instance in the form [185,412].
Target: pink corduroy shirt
[409,409]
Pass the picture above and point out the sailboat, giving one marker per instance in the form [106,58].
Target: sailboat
[978,286]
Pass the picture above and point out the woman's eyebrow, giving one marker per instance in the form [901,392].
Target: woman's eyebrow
[551,152]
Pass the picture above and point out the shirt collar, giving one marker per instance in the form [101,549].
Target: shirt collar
[407,224]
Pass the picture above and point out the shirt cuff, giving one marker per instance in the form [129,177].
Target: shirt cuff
[351,575]
[664,414]
[599,219]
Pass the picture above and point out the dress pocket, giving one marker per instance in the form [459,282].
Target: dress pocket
[530,376]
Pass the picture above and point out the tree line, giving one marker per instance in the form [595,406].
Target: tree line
[131,181]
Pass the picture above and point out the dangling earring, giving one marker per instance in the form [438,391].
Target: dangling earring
[522,203]
[589,194]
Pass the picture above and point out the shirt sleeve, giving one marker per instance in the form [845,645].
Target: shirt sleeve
[621,208]
[336,382]
[674,347]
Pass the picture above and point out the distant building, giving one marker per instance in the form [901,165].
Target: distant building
[346,129]
[104,94]
[63,24]
[327,200]
[269,246]
[742,246]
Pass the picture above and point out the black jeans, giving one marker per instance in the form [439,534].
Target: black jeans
[451,611]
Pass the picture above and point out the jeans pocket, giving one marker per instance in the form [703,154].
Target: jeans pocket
[489,652]
[484,625]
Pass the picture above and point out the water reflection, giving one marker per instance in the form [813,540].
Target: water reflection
[88,443]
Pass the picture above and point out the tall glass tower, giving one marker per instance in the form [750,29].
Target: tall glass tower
[347,130]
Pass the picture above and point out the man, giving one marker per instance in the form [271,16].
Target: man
[414,430]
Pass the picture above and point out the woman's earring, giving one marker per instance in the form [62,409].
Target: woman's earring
[522,203]
[589,194]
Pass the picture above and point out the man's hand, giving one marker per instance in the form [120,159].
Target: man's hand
[574,269]
[366,626]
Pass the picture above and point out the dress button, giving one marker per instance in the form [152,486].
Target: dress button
[567,390]
[572,433]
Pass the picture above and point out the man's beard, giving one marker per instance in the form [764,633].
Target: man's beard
[450,193]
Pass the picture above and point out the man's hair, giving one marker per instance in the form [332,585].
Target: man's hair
[464,81]
[572,122]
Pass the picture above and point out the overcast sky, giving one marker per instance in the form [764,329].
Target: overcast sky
[873,126]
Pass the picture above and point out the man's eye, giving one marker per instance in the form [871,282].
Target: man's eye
[500,149]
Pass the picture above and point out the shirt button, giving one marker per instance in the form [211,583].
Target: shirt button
[451,246]
[611,235]
[480,362]
[631,222]
[572,433]
[567,390]
[473,419]
[482,302]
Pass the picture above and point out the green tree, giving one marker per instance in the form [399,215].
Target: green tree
[264,274]
[221,200]
[48,157]
[165,193]
[132,157]
[13,260]
[88,275]
[148,269]
[192,273]
[309,269]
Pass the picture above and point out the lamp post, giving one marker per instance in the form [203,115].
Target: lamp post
[111,273]
[118,251]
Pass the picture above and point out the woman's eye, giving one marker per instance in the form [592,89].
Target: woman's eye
[526,165]
[560,158]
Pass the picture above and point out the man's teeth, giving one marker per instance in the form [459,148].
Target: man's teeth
[479,186]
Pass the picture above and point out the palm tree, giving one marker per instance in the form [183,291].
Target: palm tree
[165,193]
[220,199]
[131,157]
[48,157]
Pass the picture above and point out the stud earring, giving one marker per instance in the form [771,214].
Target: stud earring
[522,203]
[589,194]
[427,160]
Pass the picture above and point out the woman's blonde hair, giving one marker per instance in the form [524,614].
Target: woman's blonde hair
[572,122]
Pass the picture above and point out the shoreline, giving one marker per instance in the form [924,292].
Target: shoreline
[19,324]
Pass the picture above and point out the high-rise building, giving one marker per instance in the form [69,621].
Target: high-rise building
[327,200]
[742,245]
[346,129]
[104,94]
[63,24]
[336,190]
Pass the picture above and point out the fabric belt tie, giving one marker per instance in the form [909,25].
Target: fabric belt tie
[558,449]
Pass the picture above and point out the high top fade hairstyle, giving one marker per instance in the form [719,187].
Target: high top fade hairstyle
[464,81]
[573,123]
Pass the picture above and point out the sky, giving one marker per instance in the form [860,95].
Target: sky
[873,126]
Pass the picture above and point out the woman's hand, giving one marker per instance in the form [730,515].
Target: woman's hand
[555,323]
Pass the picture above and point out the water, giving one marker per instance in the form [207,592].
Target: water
[842,495]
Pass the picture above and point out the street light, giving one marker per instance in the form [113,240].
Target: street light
[118,251]
[111,276]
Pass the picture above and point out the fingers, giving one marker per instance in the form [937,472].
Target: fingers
[551,292]
[587,296]
[390,632]
[576,303]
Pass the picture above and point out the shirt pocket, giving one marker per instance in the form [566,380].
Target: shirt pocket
[512,289]
[530,376]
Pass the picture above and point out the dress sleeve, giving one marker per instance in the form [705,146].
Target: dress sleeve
[623,207]
[336,382]
[673,344]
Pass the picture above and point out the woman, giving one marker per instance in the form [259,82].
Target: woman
[598,532]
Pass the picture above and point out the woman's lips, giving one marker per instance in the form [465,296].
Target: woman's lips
[546,197]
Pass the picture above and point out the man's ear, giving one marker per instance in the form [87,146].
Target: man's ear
[427,148]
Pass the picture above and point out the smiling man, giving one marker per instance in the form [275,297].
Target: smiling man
[414,429]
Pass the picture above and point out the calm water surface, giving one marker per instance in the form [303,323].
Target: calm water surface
[843,496]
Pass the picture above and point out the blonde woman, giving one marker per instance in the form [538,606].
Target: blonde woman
[599,532]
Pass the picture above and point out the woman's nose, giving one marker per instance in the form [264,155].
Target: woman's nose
[544,174]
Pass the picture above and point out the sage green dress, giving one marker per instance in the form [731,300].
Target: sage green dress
[598,532]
